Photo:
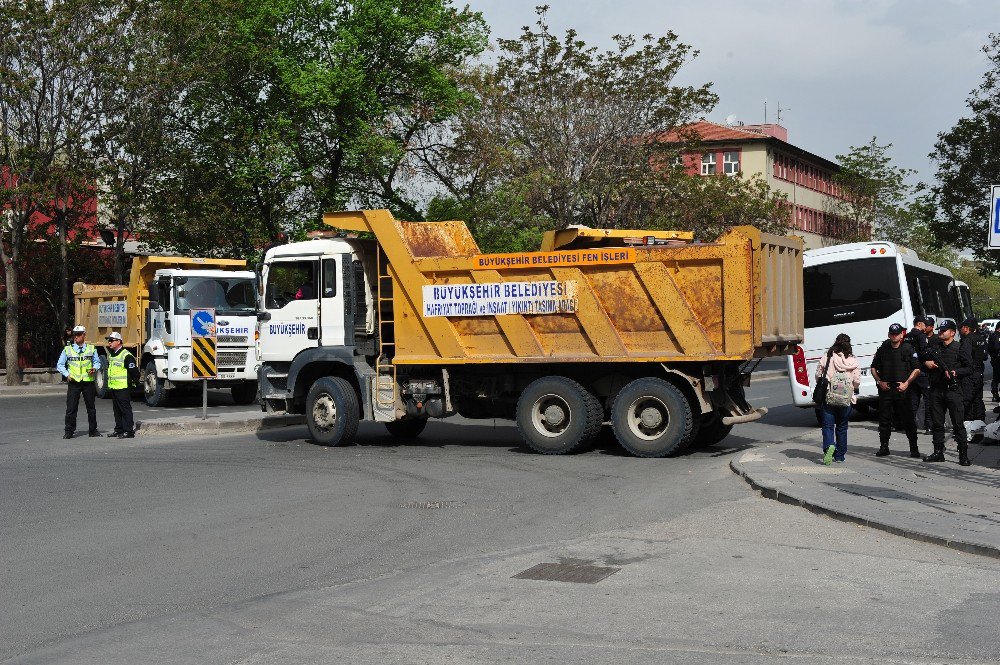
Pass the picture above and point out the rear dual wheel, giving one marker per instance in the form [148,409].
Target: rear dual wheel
[652,418]
[556,415]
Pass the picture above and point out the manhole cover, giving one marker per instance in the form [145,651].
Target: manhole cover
[567,572]
[428,505]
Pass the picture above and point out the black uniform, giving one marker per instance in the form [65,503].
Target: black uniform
[121,400]
[919,391]
[894,366]
[993,349]
[946,394]
[972,385]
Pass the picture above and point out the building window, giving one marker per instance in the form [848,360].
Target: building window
[731,163]
[708,164]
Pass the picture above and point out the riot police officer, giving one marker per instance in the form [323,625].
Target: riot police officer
[949,362]
[920,387]
[894,369]
[972,386]
[993,349]
[123,373]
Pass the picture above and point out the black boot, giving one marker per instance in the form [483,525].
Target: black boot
[936,456]
[883,450]
[963,454]
[914,451]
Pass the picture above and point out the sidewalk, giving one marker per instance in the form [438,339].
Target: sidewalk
[217,423]
[943,503]
[33,389]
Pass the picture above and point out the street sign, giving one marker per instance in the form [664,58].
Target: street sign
[203,323]
[994,236]
[203,347]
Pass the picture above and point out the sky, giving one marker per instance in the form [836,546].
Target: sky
[843,71]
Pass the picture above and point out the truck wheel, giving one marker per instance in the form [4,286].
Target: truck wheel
[101,380]
[332,411]
[153,387]
[712,431]
[652,418]
[245,393]
[406,429]
[556,415]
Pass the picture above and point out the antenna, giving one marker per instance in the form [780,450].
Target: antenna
[765,110]
[731,119]
[778,121]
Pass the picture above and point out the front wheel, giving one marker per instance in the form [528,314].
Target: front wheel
[652,418]
[406,429]
[556,415]
[332,411]
[245,393]
[154,388]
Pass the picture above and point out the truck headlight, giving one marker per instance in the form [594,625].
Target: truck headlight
[184,369]
[184,357]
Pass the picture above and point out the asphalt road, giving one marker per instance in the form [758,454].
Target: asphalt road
[266,548]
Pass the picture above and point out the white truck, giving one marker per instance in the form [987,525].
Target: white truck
[152,313]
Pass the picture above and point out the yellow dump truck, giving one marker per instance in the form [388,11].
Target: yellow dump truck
[647,330]
[152,313]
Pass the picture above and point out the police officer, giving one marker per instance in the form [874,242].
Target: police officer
[78,363]
[894,369]
[972,386]
[993,350]
[949,363]
[920,387]
[123,373]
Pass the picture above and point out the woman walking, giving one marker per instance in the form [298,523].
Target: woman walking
[840,367]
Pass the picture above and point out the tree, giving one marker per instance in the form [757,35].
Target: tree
[877,197]
[968,162]
[46,109]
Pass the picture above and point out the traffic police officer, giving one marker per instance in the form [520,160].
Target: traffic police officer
[123,373]
[949,363]
[894,369]
[972,386]
[78,363]
[920,387]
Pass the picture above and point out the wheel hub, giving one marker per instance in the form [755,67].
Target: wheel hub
[551,415]
[554,415]
[324,412]
[648,418]
[651,417]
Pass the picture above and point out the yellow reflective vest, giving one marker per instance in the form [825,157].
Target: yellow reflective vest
[79,365]
[118,370]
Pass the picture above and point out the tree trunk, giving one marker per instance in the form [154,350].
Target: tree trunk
[10,342]
[63,269]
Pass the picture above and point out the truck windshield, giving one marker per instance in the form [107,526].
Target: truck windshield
[230,296]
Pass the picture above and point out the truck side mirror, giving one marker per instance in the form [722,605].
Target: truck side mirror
[263,316]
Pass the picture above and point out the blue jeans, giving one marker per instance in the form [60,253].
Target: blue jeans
[835,419]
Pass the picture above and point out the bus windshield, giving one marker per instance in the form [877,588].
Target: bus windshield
[230,296]
[851,291]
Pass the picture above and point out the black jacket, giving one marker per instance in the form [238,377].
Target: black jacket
[993,345]
[894,365]
[977,349]
[918,340]
[955,357]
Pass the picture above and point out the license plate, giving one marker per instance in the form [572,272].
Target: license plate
[227,375]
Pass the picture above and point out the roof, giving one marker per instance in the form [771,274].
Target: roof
[714,133]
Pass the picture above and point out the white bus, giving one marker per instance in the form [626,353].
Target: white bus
[860,289]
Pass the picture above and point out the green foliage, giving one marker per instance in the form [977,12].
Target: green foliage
[968,161]
[877,196]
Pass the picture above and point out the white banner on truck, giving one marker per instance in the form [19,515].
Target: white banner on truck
[112,314]
[548,297]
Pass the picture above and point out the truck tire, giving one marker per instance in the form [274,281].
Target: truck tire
[406,429]
[154,388]
[711,432]
[244,393]
[332,411]
[652,418]
[556,415]
[101,380]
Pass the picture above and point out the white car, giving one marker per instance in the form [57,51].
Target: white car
[989,324]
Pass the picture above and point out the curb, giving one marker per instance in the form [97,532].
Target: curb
[198,426]
[22,391]
[763,374]
[852,518]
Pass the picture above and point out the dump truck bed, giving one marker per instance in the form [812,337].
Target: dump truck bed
[595,298]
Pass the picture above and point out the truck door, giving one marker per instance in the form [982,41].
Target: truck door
[291,297]
[332,332]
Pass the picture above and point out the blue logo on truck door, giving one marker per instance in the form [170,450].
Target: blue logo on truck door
[286,328]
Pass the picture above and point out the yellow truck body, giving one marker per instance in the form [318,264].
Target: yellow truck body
[669,301]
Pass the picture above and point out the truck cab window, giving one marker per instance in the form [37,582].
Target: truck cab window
[288,281]
[329,278]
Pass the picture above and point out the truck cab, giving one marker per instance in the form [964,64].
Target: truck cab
[166,351]
[316,305]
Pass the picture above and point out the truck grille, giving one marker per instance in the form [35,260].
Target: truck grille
[233,339]
[232,358]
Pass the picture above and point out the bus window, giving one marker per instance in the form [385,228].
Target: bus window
[851,291]
[934,293]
